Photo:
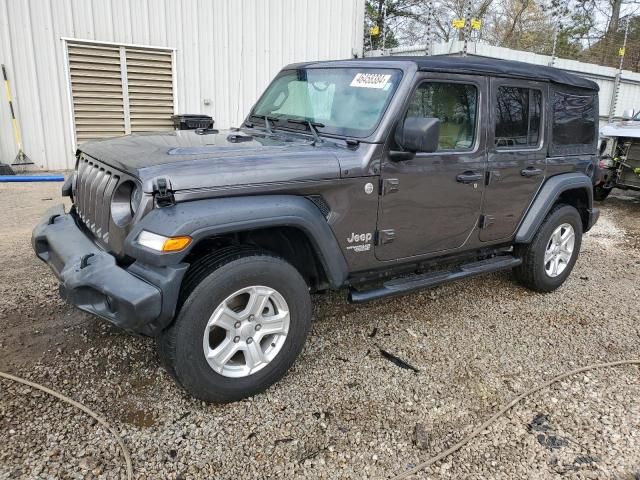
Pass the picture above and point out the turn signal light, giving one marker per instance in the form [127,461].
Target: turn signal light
[175,244]
[160,243]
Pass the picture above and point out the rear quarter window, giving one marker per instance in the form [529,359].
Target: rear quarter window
[575,120]
[517,113]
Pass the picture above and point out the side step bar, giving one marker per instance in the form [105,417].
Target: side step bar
[413,283]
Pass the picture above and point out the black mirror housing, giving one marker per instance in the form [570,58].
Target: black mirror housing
[418,134]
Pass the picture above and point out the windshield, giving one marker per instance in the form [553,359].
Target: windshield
[339,101]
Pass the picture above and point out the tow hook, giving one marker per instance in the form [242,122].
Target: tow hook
[84,261]
[163,193]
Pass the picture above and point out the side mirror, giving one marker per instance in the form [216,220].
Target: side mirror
[418,134]
[628,114]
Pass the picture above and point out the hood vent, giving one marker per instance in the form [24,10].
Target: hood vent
[322,205]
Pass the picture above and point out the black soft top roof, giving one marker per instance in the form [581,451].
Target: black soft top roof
[492,66]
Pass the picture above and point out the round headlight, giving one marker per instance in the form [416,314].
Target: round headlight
[135,199]
[122,210]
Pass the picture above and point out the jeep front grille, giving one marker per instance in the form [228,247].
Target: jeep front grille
[95,184]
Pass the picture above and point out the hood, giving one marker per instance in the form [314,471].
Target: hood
[621,129]
[228,158]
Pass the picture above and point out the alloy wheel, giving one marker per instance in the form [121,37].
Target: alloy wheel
[559,250]
[246,331]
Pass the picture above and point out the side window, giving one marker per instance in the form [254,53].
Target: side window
[574,119]
[517,117]
[455,104]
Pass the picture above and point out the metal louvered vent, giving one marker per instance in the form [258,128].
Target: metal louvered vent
[150,82]
[96,87]
[116,90]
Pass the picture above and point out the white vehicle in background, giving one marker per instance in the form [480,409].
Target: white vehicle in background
[619,156]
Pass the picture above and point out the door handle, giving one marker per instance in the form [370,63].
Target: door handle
[469,177]
[530,172]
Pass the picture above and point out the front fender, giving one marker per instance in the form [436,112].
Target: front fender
[205,218]
[547,197]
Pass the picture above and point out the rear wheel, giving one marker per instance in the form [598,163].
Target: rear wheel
[548,260]
[240,329]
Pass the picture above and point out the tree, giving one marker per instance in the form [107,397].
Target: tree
[585,30]
[614,19]
[385,14]
[521,25]
[605,51]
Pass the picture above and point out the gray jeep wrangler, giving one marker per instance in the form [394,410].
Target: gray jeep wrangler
[379,176]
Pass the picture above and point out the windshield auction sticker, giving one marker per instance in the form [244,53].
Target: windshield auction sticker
[370,80]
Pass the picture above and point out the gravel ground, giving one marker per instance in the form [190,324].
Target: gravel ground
[344,411]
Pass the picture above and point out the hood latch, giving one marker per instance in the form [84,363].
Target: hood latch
[163,193]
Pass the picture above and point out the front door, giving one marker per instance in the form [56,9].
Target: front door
[517,155]
[431,202]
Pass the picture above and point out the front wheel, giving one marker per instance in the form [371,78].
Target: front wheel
[239,329]
[548,260]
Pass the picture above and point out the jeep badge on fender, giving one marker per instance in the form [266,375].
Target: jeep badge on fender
[214,241]
[362,237]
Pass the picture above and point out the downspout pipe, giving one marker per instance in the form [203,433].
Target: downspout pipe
[31,178]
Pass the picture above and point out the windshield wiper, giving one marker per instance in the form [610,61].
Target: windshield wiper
[313,127]
[267,121]
[267,125]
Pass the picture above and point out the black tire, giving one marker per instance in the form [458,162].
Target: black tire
[181,345]
[532,272]
[600,193]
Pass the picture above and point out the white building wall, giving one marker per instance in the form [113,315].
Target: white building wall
[628,98]
[226,52]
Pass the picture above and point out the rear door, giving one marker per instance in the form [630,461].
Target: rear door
[517,155]
[431,202]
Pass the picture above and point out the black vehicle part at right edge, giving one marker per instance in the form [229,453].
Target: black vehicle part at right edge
[531,273]
[181,345]
[600,193]
[548,196]
[206,218]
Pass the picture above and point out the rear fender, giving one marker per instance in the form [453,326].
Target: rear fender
[548,196]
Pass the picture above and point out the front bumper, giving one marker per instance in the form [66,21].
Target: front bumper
[138,298]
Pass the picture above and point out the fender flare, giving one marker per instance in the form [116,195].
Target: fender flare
[545,199]
[216,216]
